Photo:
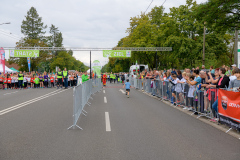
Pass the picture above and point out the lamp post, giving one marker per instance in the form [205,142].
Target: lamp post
[5,23]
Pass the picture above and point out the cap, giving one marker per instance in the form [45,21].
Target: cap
[234,65]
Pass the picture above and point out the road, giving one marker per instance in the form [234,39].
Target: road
[138,128]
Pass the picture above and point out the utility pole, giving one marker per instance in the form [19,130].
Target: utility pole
[90,65]
[236,47]
[204,32]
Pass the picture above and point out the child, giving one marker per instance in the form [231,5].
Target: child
[1,82]
[4,82]
[29,81]
[25,82]
[127,85]
[9,80]
[175,88]
[41,80]
[32,81]
[36,80]
[13,81]
[52,81]
[191,91]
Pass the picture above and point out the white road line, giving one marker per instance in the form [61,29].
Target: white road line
[10,93]
[2,112]
[108,127]
[103,91]
[105,100]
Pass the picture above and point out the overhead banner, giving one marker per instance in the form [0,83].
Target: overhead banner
[2,58]
[24,53]
[97,68]
[117,53]
[229,108]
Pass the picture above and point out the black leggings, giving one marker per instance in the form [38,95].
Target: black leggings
[46,84]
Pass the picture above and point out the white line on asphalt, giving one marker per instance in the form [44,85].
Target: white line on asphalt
[103,91]
[2,112]
[105,100]
[10,93]
[122,91]
[108,127]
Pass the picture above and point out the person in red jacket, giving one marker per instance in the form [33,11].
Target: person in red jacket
[1,82]
[52,81]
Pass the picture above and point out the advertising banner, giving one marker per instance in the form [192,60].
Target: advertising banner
[229,108]
[29,63]
[24,53]
[2,58]
[97,68]
[117,53]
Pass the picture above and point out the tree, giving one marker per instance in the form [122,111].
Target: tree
[32,27]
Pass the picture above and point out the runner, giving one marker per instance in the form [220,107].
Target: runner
[41,80]
[104,79]
[127,85]
[1,82]
[59,76]
[52,81]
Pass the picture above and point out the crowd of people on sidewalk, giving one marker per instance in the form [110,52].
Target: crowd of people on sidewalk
[27,80]
[189,82]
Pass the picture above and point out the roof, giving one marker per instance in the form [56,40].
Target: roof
[14,65]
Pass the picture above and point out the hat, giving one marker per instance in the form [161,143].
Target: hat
[234,65]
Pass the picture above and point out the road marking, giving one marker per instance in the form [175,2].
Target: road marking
[2,112]
[10,93]
[105,100]
[103,91]
[122,91]
[108,127]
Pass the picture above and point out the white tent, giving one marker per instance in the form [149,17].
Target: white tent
[6,69]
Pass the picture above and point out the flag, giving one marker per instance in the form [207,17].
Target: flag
[29,63]
[2,58]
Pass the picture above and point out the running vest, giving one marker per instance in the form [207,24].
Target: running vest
[65,73]
[1,79]
[20,77]
[52,79]
[59,75]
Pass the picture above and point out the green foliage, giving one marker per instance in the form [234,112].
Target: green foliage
[33,29]
[182,29]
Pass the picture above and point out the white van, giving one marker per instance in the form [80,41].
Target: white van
[139,68]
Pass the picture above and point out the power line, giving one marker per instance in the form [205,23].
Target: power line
[10,34]
[163,2]
[148,7]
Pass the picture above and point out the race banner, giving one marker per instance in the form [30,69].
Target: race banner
[24,53]
[97,68]
[29,63]
[117,53]
[229,108]
[2,58]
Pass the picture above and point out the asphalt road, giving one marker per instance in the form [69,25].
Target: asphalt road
[142,128]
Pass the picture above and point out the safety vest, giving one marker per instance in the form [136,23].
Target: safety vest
[111,75]
[59,75]
[20,77]
[65,73]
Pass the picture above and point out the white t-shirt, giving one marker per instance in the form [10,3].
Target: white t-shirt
[191,90]
[232,78]
[13,79]
[16,79]
[24,79]
[29,80]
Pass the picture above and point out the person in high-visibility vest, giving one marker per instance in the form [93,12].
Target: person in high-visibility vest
[65,77]
[20,80]
[59,76]
[114,77]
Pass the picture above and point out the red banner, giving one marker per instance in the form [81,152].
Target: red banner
[2,58]
[229,108]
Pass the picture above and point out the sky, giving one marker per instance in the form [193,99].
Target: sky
[83,23]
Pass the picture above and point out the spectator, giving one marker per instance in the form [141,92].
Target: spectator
[212,70]
[179,74]
[174,71]
[234,66]
[235,84]
[203,68]
[232,77]
[197,79]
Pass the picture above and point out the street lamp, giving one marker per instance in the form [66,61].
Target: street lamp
[5,23]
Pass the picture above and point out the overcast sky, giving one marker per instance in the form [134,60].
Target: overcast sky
[83,23]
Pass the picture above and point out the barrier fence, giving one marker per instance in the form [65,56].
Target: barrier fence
[81,94]
[199,101]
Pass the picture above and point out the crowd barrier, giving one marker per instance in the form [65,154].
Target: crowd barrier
[199,101]
[81,94]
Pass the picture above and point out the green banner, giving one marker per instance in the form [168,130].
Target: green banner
[116,53]
[24,53]
[97,68]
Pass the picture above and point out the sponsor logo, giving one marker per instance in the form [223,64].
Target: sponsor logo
[224,102]
[234,105]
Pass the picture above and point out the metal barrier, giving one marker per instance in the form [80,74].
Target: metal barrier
[182,95]
[81,94]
